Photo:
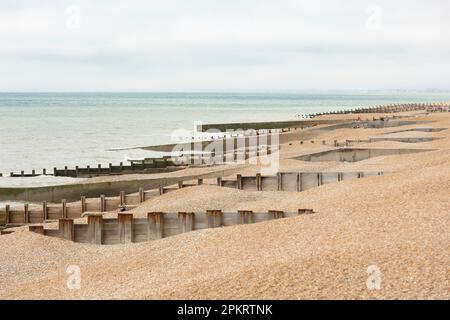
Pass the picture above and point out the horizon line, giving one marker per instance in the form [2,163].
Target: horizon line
[240,91]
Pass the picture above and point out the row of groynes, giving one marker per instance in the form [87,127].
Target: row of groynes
[165,164]
[389,108]
[127,229]
[393,108]
[282,181]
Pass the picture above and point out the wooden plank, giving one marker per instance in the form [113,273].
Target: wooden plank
[36,229]
[276,214]
[126,232]
[155,225]
[186,221]
[214,218]
[95,228]
[66,229]
[245,216]
[305,211]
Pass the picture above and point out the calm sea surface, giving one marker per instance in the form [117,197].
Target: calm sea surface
[46,130]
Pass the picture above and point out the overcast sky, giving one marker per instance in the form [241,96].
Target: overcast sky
[174,45]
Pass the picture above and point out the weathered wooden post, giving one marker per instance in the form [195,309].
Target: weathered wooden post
[239,183]
[7,212]
[64,208]
[126,230]
[219,181]
[141,195]
[245,216]
[279,181]
[66,229]
[88,170]
[95,228]
[65,171]
[305,211]
[55,172]
[258,182]
[102,203]
[299,181]
[122,198]
[44,210]
[36,229]
[180,184]
[161,190]
[25,213]
[77,171]
[199,181]
[99,169]
[110,168]
[276,214]
[83,204]
[33,173]
[360,174]
[269,143]
[214,218]
[155,225]
[319,178]
[186,221]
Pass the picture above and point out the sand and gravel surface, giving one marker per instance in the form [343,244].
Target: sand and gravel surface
[398,222]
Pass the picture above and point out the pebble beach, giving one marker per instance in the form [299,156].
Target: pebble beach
[398,223]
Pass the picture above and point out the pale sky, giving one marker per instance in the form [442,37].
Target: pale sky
[195,45]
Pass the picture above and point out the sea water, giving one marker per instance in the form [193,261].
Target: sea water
[46,130]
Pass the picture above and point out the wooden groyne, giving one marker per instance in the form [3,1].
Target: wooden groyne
[72,192]
[127,229]
[351,142]
[291,181]
[266,125]
[391,108]
[305,123]
[245,146]
[148,165]
[283,181]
